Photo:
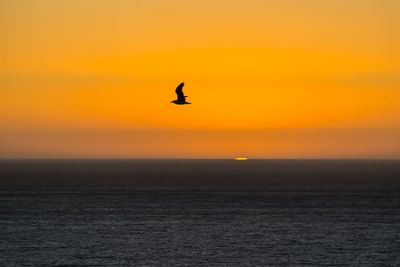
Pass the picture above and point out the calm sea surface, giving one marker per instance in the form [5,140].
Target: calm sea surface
[199,213]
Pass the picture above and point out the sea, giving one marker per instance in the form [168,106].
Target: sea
[199,213]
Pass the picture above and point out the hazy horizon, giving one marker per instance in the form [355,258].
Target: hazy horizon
[193,143]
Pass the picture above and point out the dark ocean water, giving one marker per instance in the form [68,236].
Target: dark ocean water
[199,213]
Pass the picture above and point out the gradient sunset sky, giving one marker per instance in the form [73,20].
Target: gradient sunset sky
[267,79]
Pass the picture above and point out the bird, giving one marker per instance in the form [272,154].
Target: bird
[181,98]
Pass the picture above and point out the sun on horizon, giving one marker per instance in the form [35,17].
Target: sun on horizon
[241,159]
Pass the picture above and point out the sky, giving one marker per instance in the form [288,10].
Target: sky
[267,79]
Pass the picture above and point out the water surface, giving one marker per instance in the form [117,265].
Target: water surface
[199,213]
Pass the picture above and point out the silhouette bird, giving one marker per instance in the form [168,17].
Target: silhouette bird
[181,98]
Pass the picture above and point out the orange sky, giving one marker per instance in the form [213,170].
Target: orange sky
[267,79]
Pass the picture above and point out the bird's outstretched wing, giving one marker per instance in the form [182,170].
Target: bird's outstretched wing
[179,92]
